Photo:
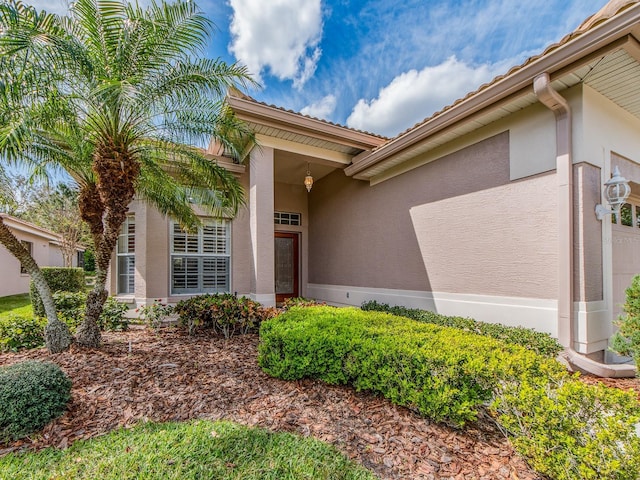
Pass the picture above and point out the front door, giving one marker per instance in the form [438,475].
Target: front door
[286,258]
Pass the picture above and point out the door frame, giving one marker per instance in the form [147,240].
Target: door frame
[281,297]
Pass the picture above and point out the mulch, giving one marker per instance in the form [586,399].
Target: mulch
[168,376]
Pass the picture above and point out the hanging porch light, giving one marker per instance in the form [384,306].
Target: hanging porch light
[308,180]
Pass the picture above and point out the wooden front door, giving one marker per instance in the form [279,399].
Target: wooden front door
[286,268]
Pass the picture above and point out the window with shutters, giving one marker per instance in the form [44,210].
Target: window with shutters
[126,256]
[201,261]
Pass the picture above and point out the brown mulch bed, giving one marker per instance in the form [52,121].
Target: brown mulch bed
[168,376]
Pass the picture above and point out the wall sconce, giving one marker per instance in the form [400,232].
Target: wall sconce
[616,191]
[308,180]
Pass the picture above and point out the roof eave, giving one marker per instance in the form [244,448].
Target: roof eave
[252,111]
[607,36]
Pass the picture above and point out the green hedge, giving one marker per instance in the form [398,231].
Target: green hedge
[566,429]
[60,279]
[32,394]
[445,373]
[21,331]
[539,342]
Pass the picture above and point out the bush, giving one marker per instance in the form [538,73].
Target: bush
[444,373]
[154,314]
[31,394]
[627,340]
[18,332]
[224,313]
[539,342]
[60,279]
[565,428]
[570,430]
[71,307]
[301,302]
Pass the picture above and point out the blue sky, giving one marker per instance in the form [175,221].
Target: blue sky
[380,65]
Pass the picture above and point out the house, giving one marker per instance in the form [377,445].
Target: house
[485,209]
[44,246]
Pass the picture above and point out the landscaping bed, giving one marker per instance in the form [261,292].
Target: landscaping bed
[169,376]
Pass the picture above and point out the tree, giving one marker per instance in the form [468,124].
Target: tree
[115,95]
[57,335]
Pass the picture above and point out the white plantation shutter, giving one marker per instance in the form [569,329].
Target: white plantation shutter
[201,261]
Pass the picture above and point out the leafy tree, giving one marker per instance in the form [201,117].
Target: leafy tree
[115,94]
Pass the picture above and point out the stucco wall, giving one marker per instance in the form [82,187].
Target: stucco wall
[456,225]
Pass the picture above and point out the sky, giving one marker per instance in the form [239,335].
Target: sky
[379,66]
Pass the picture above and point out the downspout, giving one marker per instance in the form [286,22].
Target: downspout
[564,171]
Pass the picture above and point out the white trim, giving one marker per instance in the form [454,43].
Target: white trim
[592,326]
[539,314]
[300,149]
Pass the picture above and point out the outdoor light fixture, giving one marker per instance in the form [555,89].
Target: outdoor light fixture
[616,191]
[308,180]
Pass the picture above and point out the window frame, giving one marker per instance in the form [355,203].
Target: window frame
[201,255]
[130,255]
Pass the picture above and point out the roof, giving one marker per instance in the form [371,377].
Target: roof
[611,29]
[15,223]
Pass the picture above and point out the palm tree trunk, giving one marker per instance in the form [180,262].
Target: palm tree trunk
[56,334]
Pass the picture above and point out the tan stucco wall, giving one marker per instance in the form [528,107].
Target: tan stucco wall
[454,225]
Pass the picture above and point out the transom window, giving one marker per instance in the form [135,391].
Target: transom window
[126,255]
[287,218]
[201,260]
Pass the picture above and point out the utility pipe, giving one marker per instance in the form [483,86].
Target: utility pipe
[550,98]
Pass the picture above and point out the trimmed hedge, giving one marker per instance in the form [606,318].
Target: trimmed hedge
[444,373]
[565,428]
[32,394]
[60,279]
[539,342]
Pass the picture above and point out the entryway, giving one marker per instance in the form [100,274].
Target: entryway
[287,263]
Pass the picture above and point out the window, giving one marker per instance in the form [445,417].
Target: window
[126,258]
[629,215]
[29,247]
[287,218]
[201,261]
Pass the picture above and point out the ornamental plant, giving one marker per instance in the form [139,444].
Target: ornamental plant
[626,341]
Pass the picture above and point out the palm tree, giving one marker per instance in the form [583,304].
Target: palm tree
[115,96]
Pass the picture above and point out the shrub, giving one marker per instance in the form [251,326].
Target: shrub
[60,279]
[627,340]
[31,394]
[18,332]
[224,313]
[155,313]
[71,307]
[444,373]
[301,302]
[539,342]
[570,430]
[112,318]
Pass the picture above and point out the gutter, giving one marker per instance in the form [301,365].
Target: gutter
[564,171]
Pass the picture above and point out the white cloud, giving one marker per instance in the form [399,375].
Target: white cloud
[279,35]
[414,95]
[322,108]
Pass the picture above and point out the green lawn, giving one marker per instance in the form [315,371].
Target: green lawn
[192,450]
[18,304]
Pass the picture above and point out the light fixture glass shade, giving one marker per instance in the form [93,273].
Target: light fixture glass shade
[308,180]
[616,190]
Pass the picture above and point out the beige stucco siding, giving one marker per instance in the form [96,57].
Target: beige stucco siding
[241,252]
[454,225]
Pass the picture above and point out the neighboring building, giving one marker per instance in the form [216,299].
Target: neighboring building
[485,209]
[44,246]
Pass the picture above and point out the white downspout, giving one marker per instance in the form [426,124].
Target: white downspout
[564,171]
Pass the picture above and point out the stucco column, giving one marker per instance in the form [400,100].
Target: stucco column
[261,188]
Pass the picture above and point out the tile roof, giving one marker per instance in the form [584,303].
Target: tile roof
[611,9]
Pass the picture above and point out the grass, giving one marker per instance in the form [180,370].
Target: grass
[192,450]
[17,304]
